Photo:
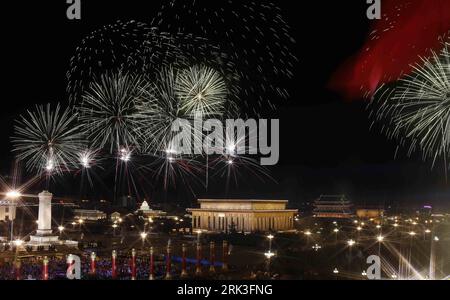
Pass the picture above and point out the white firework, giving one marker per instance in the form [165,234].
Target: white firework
[48,140]
[201,90]
[419,107]
[108,112]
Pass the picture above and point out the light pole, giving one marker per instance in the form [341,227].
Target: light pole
[270,237]
[336,272]
[269,254]
[61,229]
[380,239]
[143,237]
[308,234]
[350,244]
[12,195]
[336,230]
[114,226]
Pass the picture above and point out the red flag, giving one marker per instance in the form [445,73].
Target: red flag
[407,30]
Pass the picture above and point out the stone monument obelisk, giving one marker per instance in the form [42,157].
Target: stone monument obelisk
[45,214]
[44,235]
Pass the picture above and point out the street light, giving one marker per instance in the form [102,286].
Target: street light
[351,242]
[380,238]
[199,232]
[143,237]
[269,254]
[18,243]
[61,229]
[336,271]
[270,237]
[13,195]
[412,233]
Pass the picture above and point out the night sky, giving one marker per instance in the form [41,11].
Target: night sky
[327,145]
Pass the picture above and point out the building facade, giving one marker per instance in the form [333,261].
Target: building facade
[89,215]
[7,212]
[333,207]
[369,213]
[224,215]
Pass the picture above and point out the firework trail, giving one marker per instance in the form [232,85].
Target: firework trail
[48,140]
[417,109]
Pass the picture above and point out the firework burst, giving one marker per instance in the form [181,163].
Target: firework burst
[48,140]
[108,112]
[418,109]
[201,90]
[260,48]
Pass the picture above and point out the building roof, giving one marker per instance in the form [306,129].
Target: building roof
[242,200]
[331,199]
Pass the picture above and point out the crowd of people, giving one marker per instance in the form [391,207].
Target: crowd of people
[33,269]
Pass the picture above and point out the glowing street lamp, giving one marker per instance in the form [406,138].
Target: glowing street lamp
[359,228]
[336,272]
[143,237]
[351,242]
[317,247]
[18,243]
[427,231]
[335,230]
[270,237]
[13,195]
[412,233]
[380,238]
[61,229]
